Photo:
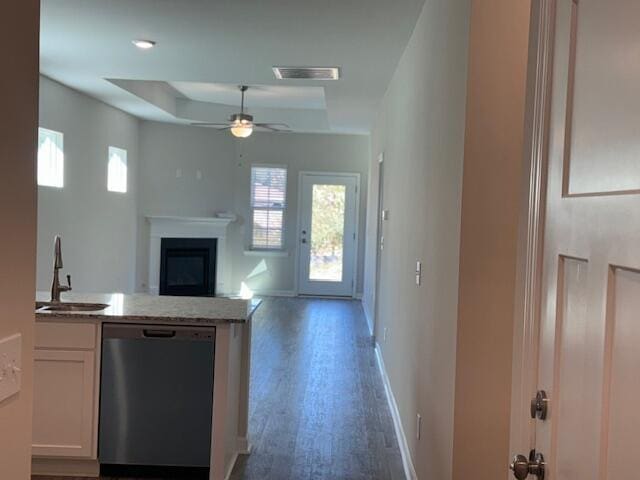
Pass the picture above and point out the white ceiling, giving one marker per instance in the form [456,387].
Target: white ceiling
[262,96]
[207,47]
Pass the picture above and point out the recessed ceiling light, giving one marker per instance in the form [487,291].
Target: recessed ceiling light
[144,44]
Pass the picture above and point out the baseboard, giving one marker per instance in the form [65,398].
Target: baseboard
[274,293]
[65,467]
[369,318]
[267,293]
[243,446]
[232,463]
[407,463]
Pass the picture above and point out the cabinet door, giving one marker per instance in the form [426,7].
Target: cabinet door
[63,404]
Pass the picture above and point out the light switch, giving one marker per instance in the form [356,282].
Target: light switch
[418,272]
[385,214]
[10,366]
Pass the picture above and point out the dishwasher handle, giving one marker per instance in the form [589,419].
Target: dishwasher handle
[158,333]
[125,331]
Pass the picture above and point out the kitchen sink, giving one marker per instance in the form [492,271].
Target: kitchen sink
[70,307]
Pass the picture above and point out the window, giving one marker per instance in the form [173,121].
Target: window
[50,158]
[117,170]
[268,201]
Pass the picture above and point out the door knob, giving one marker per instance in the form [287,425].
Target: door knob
[522,466]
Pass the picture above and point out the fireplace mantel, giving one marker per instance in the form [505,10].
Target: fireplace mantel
[187,227]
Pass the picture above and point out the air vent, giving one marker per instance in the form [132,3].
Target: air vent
[307,73]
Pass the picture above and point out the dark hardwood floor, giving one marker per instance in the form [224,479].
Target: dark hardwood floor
[318,409]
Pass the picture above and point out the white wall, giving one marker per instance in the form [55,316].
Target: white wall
[420,128]
[299,152]
[105,234]
[98,227]
[224,164]
[165,149]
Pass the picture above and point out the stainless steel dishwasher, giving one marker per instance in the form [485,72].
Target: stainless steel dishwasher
[156,395]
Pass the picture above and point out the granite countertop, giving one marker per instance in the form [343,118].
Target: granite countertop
[143,308]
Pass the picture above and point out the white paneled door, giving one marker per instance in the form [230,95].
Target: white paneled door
[589,344]
[327,236]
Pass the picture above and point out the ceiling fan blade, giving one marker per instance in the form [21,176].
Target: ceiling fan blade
[208,124]
[273,127]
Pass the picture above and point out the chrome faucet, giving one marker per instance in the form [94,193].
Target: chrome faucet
[56,288]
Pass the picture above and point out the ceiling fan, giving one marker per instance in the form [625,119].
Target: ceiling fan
[241,124]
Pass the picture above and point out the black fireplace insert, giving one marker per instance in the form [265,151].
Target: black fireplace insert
[188,266]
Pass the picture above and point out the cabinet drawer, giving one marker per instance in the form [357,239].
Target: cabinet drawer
[65,335]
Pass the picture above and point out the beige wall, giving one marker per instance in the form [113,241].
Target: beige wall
[19,53]
[420,129]
[488,244]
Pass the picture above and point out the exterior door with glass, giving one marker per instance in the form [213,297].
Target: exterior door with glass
[327,234]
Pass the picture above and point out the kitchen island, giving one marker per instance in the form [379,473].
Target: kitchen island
[67,379]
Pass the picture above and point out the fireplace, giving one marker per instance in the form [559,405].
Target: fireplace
[190,228]
[188,266]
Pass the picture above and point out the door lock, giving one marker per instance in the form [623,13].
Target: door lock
[523,467]
[540,405]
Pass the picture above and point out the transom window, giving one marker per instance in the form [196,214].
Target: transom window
[117,170]
[268,202]
[50,158]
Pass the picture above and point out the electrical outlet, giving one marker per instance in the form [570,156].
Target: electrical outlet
[10,366]
[418,426]
[179,173]
[418,272]
[198,175]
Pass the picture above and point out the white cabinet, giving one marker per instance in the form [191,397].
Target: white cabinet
[65,390]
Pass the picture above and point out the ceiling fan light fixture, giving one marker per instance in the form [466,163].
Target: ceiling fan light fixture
[241,123]
[242,129]
[144,44]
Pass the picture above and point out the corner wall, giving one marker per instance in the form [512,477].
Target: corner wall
[98,227]
[494,148]
[19,35]
[420,129]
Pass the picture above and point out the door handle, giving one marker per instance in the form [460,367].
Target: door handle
[522,466]
[152,333]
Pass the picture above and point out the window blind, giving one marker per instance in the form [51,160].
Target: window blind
[268,202]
